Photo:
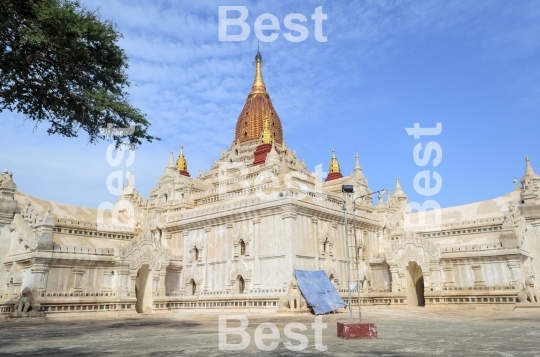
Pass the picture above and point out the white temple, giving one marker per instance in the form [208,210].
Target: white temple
[233,236]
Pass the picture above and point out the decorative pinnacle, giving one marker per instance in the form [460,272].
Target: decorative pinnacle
[181,163]
[266,134]
[357,163]
[258,86]
[334,164]
[171,160]
[258,56]
[529,171]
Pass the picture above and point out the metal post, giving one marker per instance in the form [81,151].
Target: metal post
[347,256]
[357,261]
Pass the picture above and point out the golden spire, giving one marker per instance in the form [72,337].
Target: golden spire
[258,86]
[181,163]
[266,135]
[334,164]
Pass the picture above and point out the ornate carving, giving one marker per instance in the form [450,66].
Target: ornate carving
[324,235]
[326,241]
[194,274]
[6,180]
[29,228]
[242,270]
[513,228]
[196,245]
[197,241]
[413,247]
[145,249]
[243,235]
[332,273]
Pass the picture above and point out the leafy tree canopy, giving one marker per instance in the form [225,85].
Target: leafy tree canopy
[59,63]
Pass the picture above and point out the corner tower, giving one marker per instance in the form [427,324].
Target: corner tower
[257,109]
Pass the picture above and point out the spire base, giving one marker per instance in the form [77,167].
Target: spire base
[333,176]
[259,156]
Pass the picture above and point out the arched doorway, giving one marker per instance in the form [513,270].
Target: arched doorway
[143,289]
[415,285]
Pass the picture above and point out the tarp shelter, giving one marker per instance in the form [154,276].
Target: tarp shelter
[318,291]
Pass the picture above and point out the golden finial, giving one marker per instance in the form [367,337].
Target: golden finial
[258,86]
[181,163]
[334,164]
[266,135]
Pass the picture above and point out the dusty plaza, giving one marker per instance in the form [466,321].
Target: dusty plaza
[404,332]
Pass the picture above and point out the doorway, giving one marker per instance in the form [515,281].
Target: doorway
[143,289]
[415,285]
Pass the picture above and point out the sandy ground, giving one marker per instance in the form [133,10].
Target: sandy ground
[414,332]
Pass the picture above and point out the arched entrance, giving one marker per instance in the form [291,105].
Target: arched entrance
[415,285]
[143,289]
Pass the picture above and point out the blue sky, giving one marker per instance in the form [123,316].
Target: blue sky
[472,66]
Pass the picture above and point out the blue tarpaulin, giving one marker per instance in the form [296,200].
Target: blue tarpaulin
[318,291]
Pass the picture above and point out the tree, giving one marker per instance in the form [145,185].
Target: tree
[60,63]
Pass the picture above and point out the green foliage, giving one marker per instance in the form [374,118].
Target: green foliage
[60,63]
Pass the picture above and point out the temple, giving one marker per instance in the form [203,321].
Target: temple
[231,238]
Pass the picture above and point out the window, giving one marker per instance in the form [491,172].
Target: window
[241,284]
[242,247]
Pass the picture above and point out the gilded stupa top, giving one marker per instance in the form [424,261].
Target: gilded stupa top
[181,163]
[334,164]
[257,110]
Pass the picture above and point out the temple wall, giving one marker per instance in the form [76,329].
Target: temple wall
[481,272]
[532,245]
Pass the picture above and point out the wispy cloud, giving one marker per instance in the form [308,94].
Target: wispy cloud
[193,87]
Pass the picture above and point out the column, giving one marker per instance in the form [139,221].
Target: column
[161,282]
[106,281]
[255,240]
[402,279]
[40,274]
[289,234]
[332,244]
[132,278]
[206,238]
[514,266]
[435,276]
[395,279]
[155,282]
[78,273]
[123,282]
[449,276]
[478,276]
[229,254]
[315,240]
[427,279]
